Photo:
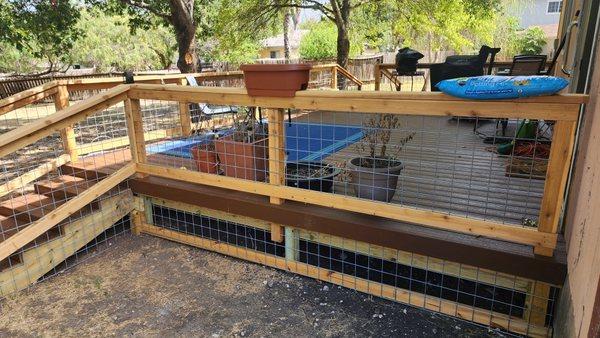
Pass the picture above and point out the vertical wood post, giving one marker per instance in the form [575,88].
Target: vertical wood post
[537,304]
[67,135]
[184,115]
[135,130]
[377,76]
[334,77]
[559,163]
[276,161]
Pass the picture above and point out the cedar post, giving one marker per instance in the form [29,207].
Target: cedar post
[276,161]
[184,115]
[67,135]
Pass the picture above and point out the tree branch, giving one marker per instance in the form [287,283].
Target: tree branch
[144,6]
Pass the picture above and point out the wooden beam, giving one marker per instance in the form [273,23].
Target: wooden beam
[428,218]
[404,103]
[42,258]
[26,97]
[23,237]
[67,135]
[32,175]
[135,130]
[40,128]
[482,316]
[334,79]
[559,163]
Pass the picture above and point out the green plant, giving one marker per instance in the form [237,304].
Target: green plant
[319,43]
[532,41]
[247,128]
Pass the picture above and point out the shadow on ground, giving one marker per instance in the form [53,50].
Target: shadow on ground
[145,286]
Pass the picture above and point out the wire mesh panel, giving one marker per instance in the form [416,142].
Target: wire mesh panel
[40,178]
[459,166]
[484,169]
[498,300]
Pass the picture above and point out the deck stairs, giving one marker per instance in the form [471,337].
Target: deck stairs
[75,231]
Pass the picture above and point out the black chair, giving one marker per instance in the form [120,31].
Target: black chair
[527,65]
[462,66]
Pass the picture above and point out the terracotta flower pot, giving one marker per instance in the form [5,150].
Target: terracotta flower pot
[282,80]
[206,158]
[241,159]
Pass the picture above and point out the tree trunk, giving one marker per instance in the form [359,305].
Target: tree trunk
[343,46]
[182,19]
[286,34]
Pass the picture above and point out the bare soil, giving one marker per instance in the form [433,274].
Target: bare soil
[145,286]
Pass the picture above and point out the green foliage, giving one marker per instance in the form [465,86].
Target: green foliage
[320,42]
[532,41]
[39,29]
[110,45]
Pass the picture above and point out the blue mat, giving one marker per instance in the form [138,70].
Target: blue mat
[304,141]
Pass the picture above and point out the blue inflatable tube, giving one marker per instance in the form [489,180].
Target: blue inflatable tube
[493,87]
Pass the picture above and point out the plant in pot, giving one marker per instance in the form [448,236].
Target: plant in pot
[317,176]
[244,152]
[374,174]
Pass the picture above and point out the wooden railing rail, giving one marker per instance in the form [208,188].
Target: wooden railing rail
[27,97]
[561,108]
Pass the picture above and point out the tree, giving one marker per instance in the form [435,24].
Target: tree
[319,43]
[532,41]
[184,16]
[41,29]
[109,44]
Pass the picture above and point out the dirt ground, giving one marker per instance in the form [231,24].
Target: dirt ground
[145,286]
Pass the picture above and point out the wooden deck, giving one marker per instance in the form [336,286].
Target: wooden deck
[448,168]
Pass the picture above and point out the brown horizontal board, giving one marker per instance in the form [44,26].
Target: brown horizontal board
[476,251]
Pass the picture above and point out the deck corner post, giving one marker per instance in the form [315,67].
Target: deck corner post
[185,114]
[377,76]
[559,164]
[67,135]
[276,150]
[135,130]
[334,76]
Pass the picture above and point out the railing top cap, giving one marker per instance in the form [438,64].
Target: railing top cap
[374,95]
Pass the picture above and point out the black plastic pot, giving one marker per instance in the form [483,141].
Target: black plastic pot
[322,183]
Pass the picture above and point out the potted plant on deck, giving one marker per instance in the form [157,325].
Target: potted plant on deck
[317,176]
[374,174]
[244,152]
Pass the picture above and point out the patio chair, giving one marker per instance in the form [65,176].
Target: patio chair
[203,111]
[524,65]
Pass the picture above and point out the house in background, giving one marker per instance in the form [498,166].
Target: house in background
[272,48]
[539,13]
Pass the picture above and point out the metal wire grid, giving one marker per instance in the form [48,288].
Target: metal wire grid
[418,276]
[28,200]
[458,166]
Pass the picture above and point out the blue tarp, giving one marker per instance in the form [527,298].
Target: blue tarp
[304,141]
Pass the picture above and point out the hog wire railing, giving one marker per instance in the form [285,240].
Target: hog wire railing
[456,167]
[448,179]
